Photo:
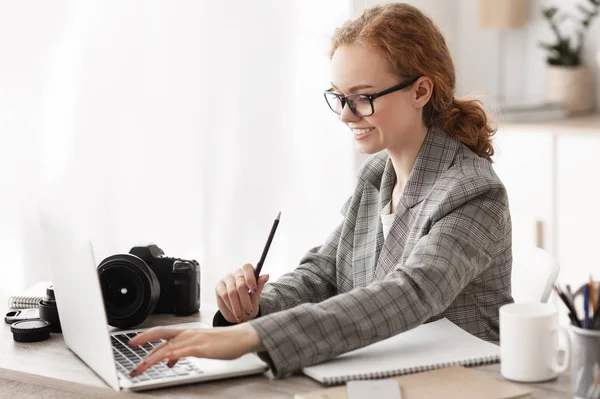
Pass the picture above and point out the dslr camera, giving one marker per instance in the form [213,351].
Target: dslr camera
[145,281]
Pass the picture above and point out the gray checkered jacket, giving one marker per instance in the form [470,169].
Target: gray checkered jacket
[448,254]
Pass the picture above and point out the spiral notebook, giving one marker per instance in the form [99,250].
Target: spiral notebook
[29,298]
[430,346]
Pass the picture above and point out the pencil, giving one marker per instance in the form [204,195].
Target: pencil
[586,306]
[267,246]
[597,315]
[568,287]
[572,311]
[593,294]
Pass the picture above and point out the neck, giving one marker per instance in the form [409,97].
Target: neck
[403,158]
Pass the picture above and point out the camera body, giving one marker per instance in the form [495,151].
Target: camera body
[147,281]
[179,280]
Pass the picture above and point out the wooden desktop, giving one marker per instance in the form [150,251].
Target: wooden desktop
[48,369]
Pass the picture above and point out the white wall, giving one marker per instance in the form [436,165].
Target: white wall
[188,123]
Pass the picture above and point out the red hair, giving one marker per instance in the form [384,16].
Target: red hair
[414,46]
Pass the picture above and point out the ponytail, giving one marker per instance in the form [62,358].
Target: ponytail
[466,120]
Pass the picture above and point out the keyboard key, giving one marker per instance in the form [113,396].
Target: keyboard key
[179,371]
[168,373]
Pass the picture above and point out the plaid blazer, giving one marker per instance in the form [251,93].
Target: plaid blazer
[448,254]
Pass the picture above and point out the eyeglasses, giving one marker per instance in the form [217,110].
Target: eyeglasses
[361,105]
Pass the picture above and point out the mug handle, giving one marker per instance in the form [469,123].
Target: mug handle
[561,368]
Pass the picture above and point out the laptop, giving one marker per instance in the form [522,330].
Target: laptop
[102,348]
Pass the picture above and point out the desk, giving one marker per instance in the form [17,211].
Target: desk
[48,369]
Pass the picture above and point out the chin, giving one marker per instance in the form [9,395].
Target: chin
[366,149]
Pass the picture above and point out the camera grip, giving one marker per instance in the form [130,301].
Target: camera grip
[186,288]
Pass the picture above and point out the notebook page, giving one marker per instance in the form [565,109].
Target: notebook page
[433,345]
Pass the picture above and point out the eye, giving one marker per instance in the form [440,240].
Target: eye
[359,99]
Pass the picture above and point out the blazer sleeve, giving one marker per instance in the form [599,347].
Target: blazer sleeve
[457,248]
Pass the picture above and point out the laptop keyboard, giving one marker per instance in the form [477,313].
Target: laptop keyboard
[127,358]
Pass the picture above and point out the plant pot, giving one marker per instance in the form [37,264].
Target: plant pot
[571,87]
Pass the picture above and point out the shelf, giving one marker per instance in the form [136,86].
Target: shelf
[576,124]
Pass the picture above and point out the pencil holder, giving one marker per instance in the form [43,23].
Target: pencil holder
[585,363]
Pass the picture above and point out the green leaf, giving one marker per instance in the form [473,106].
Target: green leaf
[547,46]
[584,10]
[549,12]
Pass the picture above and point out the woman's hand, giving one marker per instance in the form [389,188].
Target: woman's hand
[215,343]
[234,301]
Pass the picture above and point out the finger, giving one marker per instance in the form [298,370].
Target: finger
[161,354]
[171,362]
[221,291]
[234,299]
[151,359]
[227,314]
[248,271]
[222,302]
[195,348]
[242,289]
[262,280]
[184,352]
[161,346]
[153,334]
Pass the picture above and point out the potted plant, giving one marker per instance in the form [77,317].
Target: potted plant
[568,81]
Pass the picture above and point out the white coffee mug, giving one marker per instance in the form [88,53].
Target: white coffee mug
[529,342]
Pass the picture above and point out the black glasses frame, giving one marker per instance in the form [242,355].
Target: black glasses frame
[352,104]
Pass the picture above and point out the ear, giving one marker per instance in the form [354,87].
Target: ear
[423,89]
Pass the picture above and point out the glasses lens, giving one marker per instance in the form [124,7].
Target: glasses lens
[334,102]
[360,104]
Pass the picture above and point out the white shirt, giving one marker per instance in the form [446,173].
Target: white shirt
[387,218]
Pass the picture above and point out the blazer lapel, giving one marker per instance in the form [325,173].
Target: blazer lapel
[368,237]
[434,158]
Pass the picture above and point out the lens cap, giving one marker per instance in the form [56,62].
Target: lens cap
[30,330]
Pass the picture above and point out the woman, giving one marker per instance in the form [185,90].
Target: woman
[425,235]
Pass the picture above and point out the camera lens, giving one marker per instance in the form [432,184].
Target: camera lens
[129,288]
[49,311]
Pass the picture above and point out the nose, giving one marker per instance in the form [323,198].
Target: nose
[347,115]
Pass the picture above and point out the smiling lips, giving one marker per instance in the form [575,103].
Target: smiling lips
[361,133]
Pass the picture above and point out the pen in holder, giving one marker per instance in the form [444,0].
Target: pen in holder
[585,362]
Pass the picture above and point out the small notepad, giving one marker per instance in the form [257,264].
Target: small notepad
[447,383]
[430,346]
[380,389]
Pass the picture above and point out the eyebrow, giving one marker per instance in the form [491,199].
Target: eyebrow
[354,88]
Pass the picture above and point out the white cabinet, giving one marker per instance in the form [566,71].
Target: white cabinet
[578,200]
[524,162]
[552,175]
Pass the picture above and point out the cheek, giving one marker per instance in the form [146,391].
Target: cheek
[392,114]
[386,118]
